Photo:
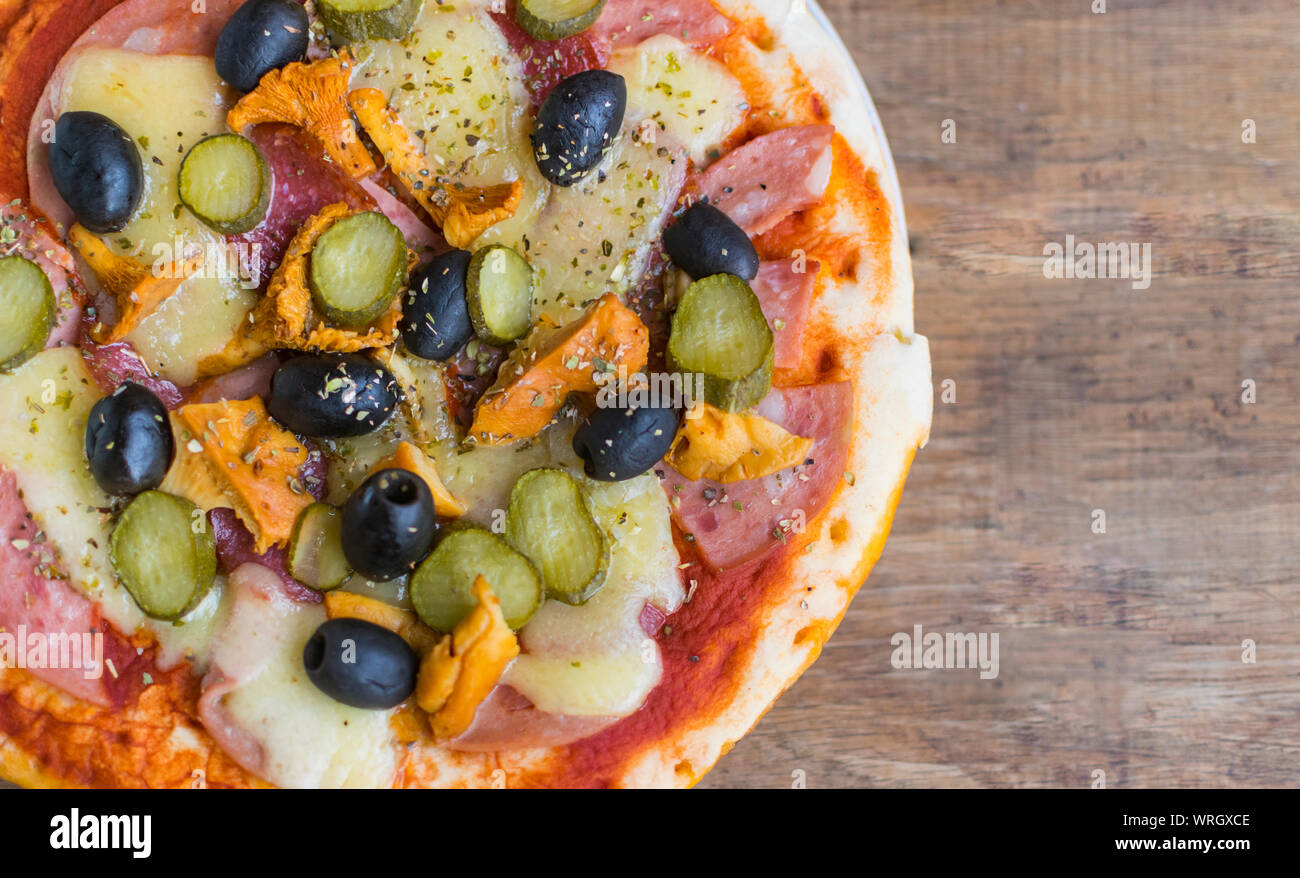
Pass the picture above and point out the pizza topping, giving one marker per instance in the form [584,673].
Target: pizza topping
[256,463]
[465,666]
[332,395]
[733,523]
[577,123]
[628,22]
[313,96]
[261,36]
[442,589]
[354,21]
[316,548]
[360,664]
[226,183]
[733,446]
[784,288]
[408,457]
[96,169]
[499,294]
[553,362]
[705,241]
[463,212]
[547,62]
[719,334]
[235,548]
[357,266]
[771,176]
[619,443]
[388,524]
[164,561]
[129,442]
[138,289]
[435,316]
[403,623]
[551,20]
[27,301]
[548,521]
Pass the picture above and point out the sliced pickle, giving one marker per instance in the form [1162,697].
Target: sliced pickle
[226,183]
[164,554]
[27,303]
[557,19]
[355,21]
[316,548]
[442,586]
[548,521]
[499,290]
[719,332]
[357,268]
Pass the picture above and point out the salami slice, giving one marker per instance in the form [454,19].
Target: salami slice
[624,23]
[784,289]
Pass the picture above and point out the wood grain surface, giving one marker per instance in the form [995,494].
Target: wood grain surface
[1120,652]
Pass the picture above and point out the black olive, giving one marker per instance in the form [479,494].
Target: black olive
[577,123]
[129,440]
[622,443]
[261,36]
[388,524]
[704,241]
[97,170]
[332,395]
[435,316]
[360,664]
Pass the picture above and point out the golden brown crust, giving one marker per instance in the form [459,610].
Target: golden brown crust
[723,669]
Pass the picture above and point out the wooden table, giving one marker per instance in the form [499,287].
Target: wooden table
[1120,652]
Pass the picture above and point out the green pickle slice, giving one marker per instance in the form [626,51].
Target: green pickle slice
[355,21]
[27,303]
[442,586]
[226,183]
[557,19]
[549,522]
[499,291]
[719,333]
[316,548]
[357,268]
[164,554]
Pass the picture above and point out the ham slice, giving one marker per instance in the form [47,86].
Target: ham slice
[506,720]
[42,605]
[785,293]
[727,535]
[304,183]
[624,23]
[111,364]
[419,237]
[770,177]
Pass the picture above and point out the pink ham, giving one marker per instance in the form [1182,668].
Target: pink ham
[624,23]
[728,536]
[419,237]
[304,183]
[42,605]
[112,364]
[145,26]
[507,720]
[785,294]
[772,176]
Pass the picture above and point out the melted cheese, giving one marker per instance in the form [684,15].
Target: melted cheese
[42,442]
[307,738]
[167,103]
[692,97]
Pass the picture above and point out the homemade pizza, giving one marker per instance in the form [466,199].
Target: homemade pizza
[434,393]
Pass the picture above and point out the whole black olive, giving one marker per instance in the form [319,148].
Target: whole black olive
[622,443]
[388,524]
[360,664]
[704,241]
[96,167]
[261,36]
[332,395]
[129,441]
[577,123]
[435,315]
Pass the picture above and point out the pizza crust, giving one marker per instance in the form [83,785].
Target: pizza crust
[804,600]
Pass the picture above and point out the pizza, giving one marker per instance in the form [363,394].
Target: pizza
[418,393]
